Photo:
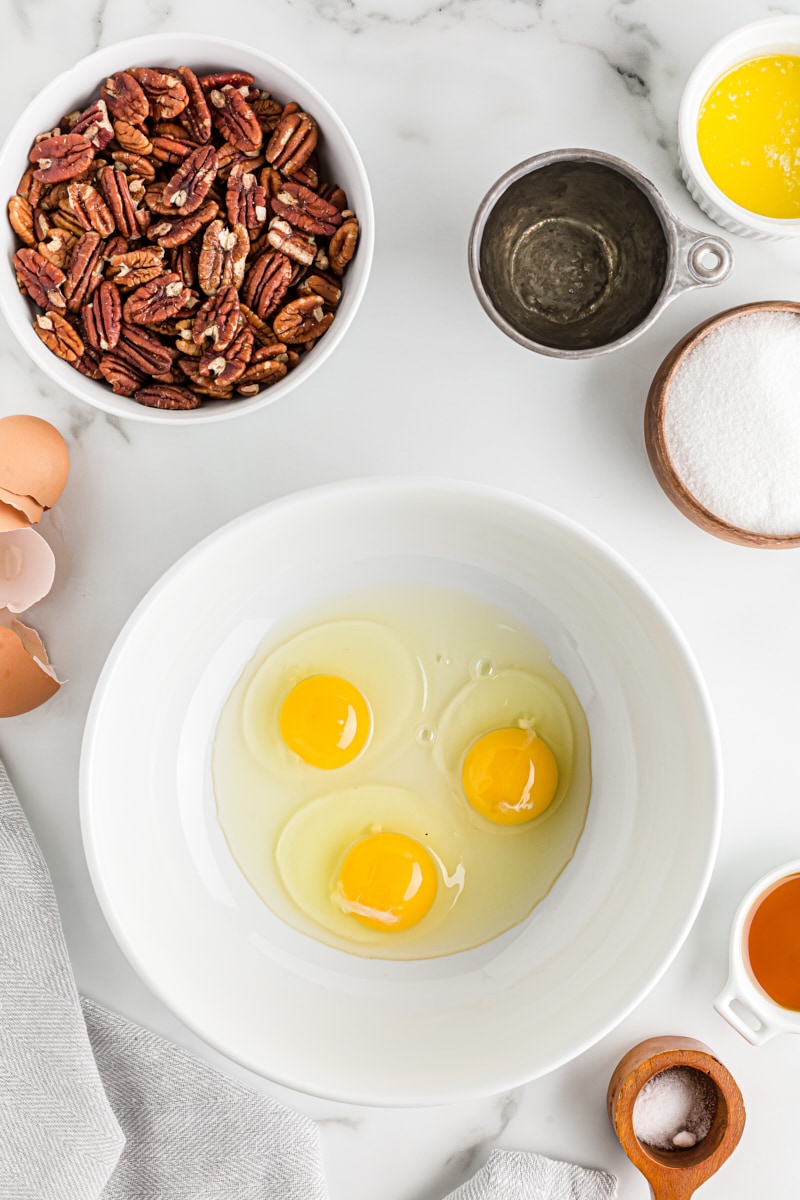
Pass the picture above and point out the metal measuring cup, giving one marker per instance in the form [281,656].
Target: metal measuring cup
[574,253]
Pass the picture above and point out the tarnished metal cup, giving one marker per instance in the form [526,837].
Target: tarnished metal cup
[574,253]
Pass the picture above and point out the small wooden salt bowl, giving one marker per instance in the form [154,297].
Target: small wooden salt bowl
[655,440]
[675,1174]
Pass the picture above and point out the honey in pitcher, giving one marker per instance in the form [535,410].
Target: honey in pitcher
[772,942]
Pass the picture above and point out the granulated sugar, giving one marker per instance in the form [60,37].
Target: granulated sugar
[674,1109]
[732,422]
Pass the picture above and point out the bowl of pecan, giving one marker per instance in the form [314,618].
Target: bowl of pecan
[187,239]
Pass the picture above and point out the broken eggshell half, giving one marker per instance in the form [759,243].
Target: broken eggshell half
[26,677]
[27,569]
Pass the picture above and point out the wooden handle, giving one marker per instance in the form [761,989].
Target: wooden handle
[677,1188]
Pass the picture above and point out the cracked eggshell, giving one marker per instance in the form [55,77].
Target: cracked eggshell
[12,518]
[26,677]
[24,504]
[27,569]
[34,459]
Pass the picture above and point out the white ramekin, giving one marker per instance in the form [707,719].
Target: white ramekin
[73,89]
[743,1003]
[776,35]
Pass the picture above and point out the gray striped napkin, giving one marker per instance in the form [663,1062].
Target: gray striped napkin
[515,1175]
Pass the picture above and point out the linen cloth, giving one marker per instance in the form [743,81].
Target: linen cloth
[93,1107]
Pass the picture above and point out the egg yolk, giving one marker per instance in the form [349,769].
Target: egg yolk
[326,721]
[510,776]
[387,881]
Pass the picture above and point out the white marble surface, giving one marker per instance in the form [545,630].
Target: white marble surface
[441,99]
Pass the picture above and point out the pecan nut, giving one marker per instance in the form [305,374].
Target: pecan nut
[20,215]
[226,366]
[235,119]
[176,233]
[157,300]
[88,364]
[306,210]
[301,320]
[61,157]
[115,189]
[90,209]
[246,201]
[218,319]
[195,116]
[94,124]
[343,245]
[189,186]
[40,279]
[123,377]
[85,270]
[293,142]
[267,282]
[132,268]
[325,286]
[59,336]
[102,318]
[222,257]
[165,93]
[170,149]
[143,351]
[132,138]
[125,99]
[133,164]
[295,243]
[164,395]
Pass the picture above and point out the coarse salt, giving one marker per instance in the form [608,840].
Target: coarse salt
[732,422]
[675,1109]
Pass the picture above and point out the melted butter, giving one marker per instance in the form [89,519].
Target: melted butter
[748,134]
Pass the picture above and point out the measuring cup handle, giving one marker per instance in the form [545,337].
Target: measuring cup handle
[678,1188]
[703,258]
[755,1036]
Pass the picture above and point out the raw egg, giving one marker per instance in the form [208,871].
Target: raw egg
[408,782]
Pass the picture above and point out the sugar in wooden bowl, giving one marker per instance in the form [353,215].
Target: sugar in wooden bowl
[722,425]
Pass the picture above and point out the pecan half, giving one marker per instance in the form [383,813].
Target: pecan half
[154,199]
[102,319]
[57,248]
[303,319]
[133,164]
[235,119]
[222,257]
[124,378]
[246,201]
[170,149]
[218,319]
[195,116]
[132,268]
[306,210]
[59,336]
[268,112]
[164,395]
[266,283]
[293,142]
[262,374]
[88,364]
[226,366]
[143,351]
[189,186]
[94,124]
[183,261]
[20,215]
[176,233]
[61,157]
[295,243]
[125,99]
[343,245]
[325,286]
[308,175]
[114,186]
[84,272]
[131,137]
[166,94]
[262,331]
[157,300]
[221,79]
[40,279]
[90,209]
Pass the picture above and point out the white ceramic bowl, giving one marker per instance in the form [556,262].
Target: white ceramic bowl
[743,1003]
[364,1030]
[340,158]
[776,35]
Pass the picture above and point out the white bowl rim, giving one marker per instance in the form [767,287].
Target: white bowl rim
[439,486]
[107,401]
[697,85]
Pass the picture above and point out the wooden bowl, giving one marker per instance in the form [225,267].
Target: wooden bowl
[655,440]
[675,1174]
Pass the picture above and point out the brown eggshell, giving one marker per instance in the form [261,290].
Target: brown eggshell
[25,683]
[23,504]
[12,518]
[34,460]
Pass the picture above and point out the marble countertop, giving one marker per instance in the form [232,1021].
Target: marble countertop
[441,99]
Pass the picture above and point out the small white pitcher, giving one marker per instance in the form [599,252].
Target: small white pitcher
[768,1018]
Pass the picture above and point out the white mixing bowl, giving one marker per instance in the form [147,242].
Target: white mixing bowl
[371,1031]
[340,158]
